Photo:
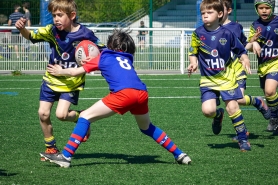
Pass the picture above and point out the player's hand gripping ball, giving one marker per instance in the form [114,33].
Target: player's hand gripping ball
[85,49]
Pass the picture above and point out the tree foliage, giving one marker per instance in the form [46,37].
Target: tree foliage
[90,10]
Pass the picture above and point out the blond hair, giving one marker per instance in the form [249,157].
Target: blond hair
[67,6]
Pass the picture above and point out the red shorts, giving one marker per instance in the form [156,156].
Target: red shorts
[135,101]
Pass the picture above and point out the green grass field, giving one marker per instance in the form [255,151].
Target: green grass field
[118,153]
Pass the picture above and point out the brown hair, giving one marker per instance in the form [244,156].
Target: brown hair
[67,6]
[212,4]
[228,3]
[120,40]
[26,5]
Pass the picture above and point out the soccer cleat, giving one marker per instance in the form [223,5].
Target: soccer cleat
[217,123]
[244,146]
[264,109]
[49,151]
[275,131]
[235,138]
[183,158]
[273,123]
[59,159]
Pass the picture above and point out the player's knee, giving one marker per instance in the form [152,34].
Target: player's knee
[269,93]
[61,116]
[208,113]
[43,114]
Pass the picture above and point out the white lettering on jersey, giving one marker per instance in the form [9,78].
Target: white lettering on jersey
[269,52]
[124,63]
[216,64]
[65,65]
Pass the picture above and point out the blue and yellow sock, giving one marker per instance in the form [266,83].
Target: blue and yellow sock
[161,138]
[50,142]
[272,103]
[250,100]
[77,113]
[239,126]
[76,137]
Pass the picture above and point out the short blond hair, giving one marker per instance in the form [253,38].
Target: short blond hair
[67,6]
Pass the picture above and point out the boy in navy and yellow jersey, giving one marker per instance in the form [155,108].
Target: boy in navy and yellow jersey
[209,47]
[267,27]
[63,36]
[240,73]
[127,94]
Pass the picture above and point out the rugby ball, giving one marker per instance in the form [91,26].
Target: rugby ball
[84,49]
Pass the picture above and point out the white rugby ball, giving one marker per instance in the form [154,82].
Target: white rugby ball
[84,49]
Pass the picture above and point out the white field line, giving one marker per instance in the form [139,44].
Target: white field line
[99,88]
[101,79]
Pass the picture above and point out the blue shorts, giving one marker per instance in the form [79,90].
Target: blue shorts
[49,95]
[142,37]
[207,94]
[242,83]
[273,75]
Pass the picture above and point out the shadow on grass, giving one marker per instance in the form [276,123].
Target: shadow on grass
[4,173]
[232,145]
[254,136]
[143,159]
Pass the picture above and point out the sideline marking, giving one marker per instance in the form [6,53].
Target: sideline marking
[9,93]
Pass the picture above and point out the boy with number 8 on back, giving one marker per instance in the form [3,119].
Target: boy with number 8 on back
[209,47]
[127,94]
[62,37]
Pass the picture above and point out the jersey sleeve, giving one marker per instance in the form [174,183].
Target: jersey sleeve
[252,32]
[236,46]
[194,45]
[242,38]
[42,34]
[92,65]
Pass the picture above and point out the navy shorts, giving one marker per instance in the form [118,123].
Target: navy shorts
[49,95]
[242,83]
[142,37]
[272,75]
[207,94]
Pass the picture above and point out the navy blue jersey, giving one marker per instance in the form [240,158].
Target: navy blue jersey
[117,69]
[268,59]
[212,49]
[63,45]
[237,29]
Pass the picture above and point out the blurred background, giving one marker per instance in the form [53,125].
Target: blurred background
[155,13]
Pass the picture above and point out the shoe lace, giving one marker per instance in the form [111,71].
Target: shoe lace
[51,150]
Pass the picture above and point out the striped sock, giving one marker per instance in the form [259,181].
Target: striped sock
[76,137]
[239,126]
[50,142]
[161,138]
[272,103]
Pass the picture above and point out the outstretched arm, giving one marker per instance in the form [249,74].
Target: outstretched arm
[245,62]
[193,65]
[57,70]
[20,25]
